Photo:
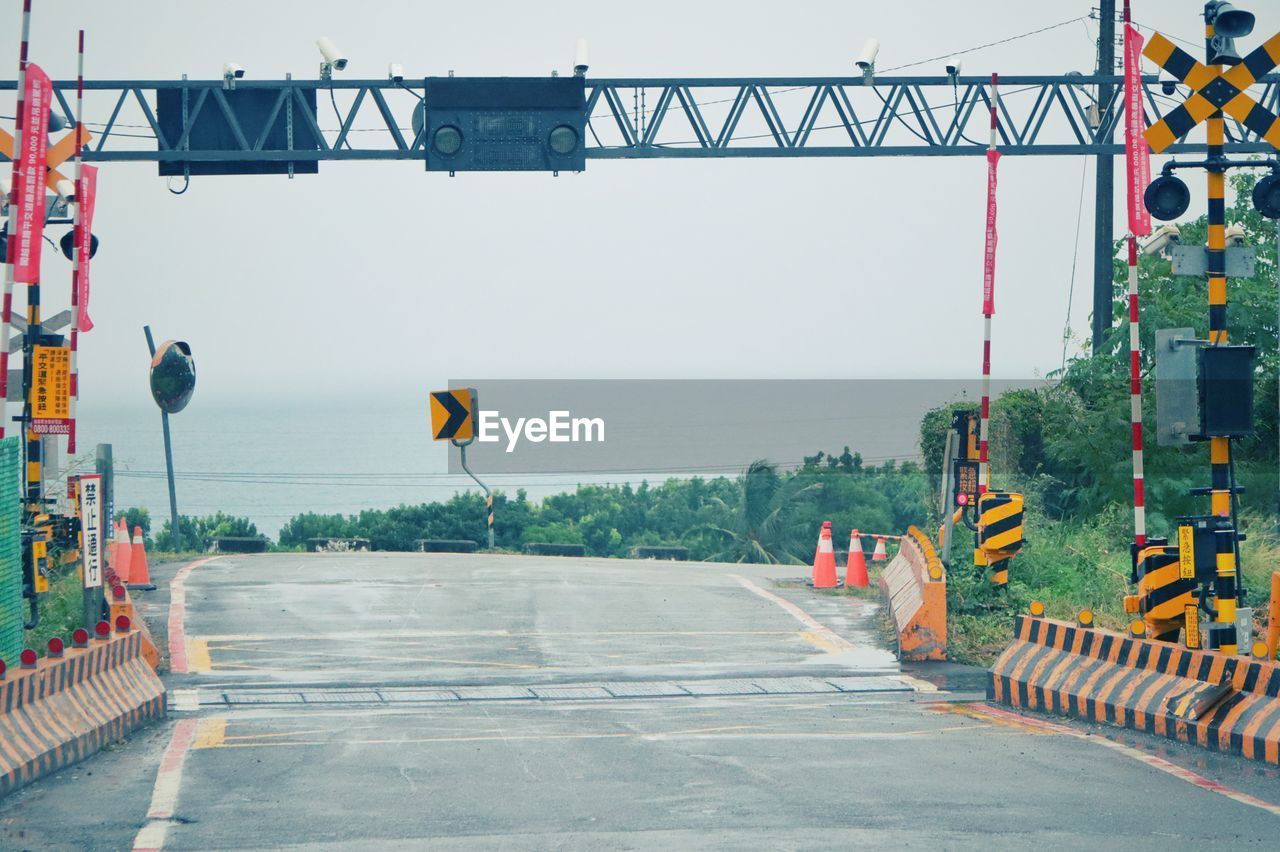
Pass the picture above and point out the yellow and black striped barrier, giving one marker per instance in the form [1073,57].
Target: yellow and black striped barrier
[1220,702]
[63,709]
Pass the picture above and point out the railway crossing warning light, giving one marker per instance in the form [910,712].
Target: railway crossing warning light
[503,124]
[1266,196]
[1167,197]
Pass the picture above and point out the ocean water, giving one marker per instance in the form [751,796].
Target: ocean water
[271,461]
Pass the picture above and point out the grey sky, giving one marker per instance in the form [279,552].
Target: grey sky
[658,269]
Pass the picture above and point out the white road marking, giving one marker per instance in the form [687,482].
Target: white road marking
[814,626]
[184,700]
[821,630]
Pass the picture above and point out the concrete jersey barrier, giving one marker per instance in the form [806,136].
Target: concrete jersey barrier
[914,584]
[68,708]
[1222,703]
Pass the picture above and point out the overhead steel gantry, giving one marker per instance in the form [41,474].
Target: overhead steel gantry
[200,127]
[667,118]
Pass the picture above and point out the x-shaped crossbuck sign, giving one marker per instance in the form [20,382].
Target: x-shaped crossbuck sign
[1213,90]
[58,153]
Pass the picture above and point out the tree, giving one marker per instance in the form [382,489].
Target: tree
[196,533]
[762,530]
[137,516]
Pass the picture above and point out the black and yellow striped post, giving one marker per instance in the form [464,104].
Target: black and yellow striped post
[488,504]
[1222,634]
[34,516]
[488,494]
[1000,533]
[33,484]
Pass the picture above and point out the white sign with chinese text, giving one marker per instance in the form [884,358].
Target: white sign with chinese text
[91,529]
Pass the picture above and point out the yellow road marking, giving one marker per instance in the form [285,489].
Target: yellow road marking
[987,719]
[819,641]
[210,733]
[198,659]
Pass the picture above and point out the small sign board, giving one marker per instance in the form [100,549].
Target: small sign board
[51,390]
[1187,552]
[966,482]
[453,414]
[91,527]
[1191,619]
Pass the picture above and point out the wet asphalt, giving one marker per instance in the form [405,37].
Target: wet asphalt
[395,701]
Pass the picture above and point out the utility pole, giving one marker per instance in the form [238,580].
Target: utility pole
[1104,217]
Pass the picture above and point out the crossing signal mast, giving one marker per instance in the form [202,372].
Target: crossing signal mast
[1215,403]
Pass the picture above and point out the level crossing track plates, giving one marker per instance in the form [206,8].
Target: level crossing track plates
[205,697]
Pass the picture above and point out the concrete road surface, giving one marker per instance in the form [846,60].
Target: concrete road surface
[397,701]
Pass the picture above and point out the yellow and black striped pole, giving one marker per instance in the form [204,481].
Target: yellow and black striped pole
[1222,635]
[488,495]
[488,504]
[33,486]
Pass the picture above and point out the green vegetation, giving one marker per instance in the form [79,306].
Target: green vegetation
[196,532]
[767,515]
[61,610]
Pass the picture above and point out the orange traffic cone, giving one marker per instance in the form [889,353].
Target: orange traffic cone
[824,560]
[855,573]
[880,554]
[124,553]
[139,573]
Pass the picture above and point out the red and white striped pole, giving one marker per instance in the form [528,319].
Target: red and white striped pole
[1139,168]
[988,292]
[75,252]
[1135,400]
[6,310]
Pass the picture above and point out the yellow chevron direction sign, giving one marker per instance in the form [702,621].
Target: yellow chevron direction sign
[1213,90]
[453,414]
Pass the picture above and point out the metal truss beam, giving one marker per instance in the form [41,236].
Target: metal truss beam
[665,118]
